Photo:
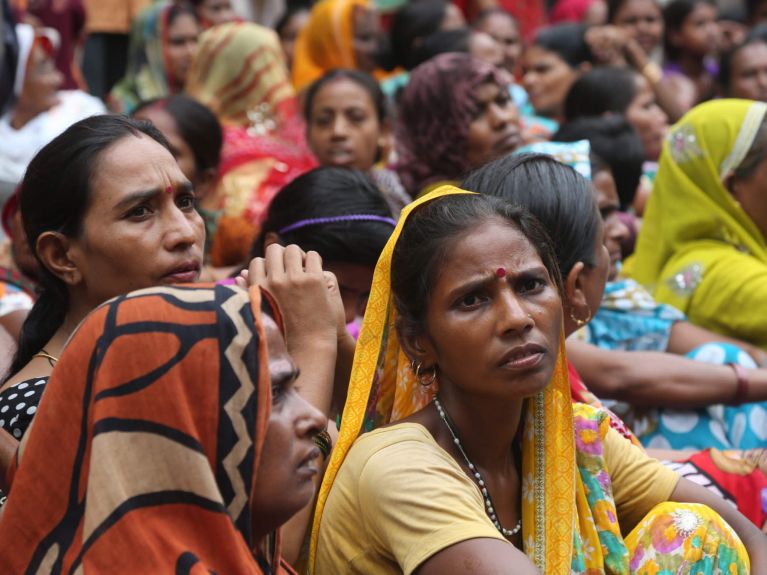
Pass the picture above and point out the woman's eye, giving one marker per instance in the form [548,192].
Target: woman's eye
[139,212]
[471,300]
[530,285]
[278,392]
[186,201]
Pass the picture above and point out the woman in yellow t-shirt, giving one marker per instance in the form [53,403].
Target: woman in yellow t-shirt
[487,466]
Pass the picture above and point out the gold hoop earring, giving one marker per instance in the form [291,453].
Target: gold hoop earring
[580,322]
[424,379]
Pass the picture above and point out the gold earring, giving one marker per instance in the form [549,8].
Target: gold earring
[424,379]
[580,322]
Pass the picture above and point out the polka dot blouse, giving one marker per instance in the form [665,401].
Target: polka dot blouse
[18,405]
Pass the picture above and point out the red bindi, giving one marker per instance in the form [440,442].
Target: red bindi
[169,190]
[500,273]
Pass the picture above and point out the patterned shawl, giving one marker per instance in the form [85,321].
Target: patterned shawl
[143,456]
[326,42]
[147,75]
[436,111]
[562,515]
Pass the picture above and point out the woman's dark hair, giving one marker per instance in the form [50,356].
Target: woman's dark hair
[54,196]
[617,143]
[177,9]
[485,14]
[429,234]
[365,81]
[568,41]
[755,155]
[725,62]
[674,15]
[600,91]
[442,42]
[329,192]
[196,125]
[410,25]
[614,6]
[557,195]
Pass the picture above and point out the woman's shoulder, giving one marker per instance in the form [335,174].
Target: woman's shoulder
[394,440]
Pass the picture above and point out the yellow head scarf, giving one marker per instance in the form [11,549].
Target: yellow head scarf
[326,42]
[238,67]
[692,222]
[383,388]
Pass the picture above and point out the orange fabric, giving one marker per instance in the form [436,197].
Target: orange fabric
[143,456]
[113,16]
[326,42]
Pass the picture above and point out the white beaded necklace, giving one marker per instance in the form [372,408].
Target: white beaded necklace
[489,508]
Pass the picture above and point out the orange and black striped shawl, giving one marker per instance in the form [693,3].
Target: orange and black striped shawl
[143,455]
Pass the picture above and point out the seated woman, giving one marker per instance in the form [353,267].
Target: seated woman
[190,467]
[690,43]
[162,46]
[348,126]
[655,381]
[627,319]
[474,277]
[106,209]
[456,114]
[702,244]
[239,73]
[195,137]
[557,56]
[41,111]
[339,34]
[621,92]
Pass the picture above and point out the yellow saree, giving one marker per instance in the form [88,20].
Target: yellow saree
[698,250]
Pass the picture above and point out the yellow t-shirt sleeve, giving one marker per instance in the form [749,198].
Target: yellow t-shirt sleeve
[639,482]
[416,502]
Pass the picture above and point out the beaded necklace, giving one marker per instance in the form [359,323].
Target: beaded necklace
[489,508]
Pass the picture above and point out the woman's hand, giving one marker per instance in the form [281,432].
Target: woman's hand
[608,44]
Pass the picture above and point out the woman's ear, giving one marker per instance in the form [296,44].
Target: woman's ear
[57,252]
[417,347]
[576,303]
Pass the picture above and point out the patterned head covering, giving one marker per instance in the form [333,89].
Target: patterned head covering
[239,68]
[437,109]
[326,42]
[147,75]
[693,226]
[143,456]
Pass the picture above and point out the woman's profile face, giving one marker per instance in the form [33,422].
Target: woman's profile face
[547,79]
[140,228]
[748,78]
[494,315]
[643,20]
[181,47]
[344,130]
[495,130]
[41,81]
[615,231]
[648,119]
[289,457]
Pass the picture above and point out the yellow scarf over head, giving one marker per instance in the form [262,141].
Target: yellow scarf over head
[556,518]
[326,42]
[695,237]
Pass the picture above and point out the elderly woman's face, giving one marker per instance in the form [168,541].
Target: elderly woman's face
[495,130]
[141,228]
[493,301]
[289,458]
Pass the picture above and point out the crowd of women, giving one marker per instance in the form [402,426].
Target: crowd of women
[399,287]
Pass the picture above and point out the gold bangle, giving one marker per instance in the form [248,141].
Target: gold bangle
[652,72]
